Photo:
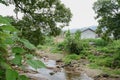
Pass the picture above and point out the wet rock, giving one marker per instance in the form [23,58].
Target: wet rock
[60,60]
[51,73]
[105,75]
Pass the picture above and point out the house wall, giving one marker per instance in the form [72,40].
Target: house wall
[88,34]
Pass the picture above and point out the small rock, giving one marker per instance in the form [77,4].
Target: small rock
[51,73]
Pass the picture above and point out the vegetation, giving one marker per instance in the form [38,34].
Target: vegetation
[108,17]
[67,59]
[101,54]
[13,46]
[73,43]
[40,18]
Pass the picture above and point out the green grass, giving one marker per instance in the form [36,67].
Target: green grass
[106,70]
[67,59]
[111,71]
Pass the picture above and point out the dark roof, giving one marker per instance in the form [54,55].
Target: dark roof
[87,29]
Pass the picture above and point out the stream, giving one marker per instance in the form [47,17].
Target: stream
[51,73]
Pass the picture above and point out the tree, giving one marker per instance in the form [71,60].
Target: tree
[108,15]
[13,46]
[40,17]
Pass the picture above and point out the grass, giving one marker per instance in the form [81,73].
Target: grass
[103,64]
[111,71]
[106,70]
[67,59]
[102,61]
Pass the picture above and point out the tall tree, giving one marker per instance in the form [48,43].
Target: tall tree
[40,17]
[108,16]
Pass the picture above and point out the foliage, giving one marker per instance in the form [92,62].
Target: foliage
[12,46]
[27,44]
[110,56]
[49,40]
[67,59]
[115,45]
[74,46]
[72,43]
[18,50]
[11,74]
[50,45]
[36,64]
[106,70]
[45,17]
[61,45]
[108,16]
[17,60]
[98,42]
[116,60]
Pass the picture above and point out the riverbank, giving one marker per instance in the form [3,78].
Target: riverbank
[82,67]
[57,70]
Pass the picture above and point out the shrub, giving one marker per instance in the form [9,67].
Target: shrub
[116,60]
[61,46]
[115,45]
[105,62]
[49,40]
[99,42]
[67,59]
[74,46]
[72,43]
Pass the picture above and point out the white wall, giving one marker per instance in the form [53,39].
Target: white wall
[88,34]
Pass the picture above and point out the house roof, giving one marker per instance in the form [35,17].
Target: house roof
[87,29]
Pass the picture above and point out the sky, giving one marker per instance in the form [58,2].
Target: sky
[83,14]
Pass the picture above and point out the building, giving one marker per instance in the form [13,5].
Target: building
[88,34]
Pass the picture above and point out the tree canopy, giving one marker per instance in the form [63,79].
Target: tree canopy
[108,16]
[40,17]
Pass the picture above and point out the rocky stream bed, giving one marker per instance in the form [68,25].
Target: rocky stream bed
[56,70]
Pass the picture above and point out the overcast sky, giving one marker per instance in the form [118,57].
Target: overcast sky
[83,14]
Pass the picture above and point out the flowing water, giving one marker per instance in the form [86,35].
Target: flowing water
[50,74]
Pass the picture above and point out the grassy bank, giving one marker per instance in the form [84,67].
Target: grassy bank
[101,54]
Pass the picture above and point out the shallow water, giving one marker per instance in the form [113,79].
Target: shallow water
[49,74]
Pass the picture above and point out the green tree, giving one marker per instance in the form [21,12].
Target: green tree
[40,17]
[108,15]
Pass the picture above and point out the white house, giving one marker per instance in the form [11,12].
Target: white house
[88,34]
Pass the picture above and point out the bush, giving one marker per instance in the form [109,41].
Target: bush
[99,42]
[105,62]
[115,45]
[61,46]
[72,43]
[110,56]
[49,40]
[116,60]
[74,46]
